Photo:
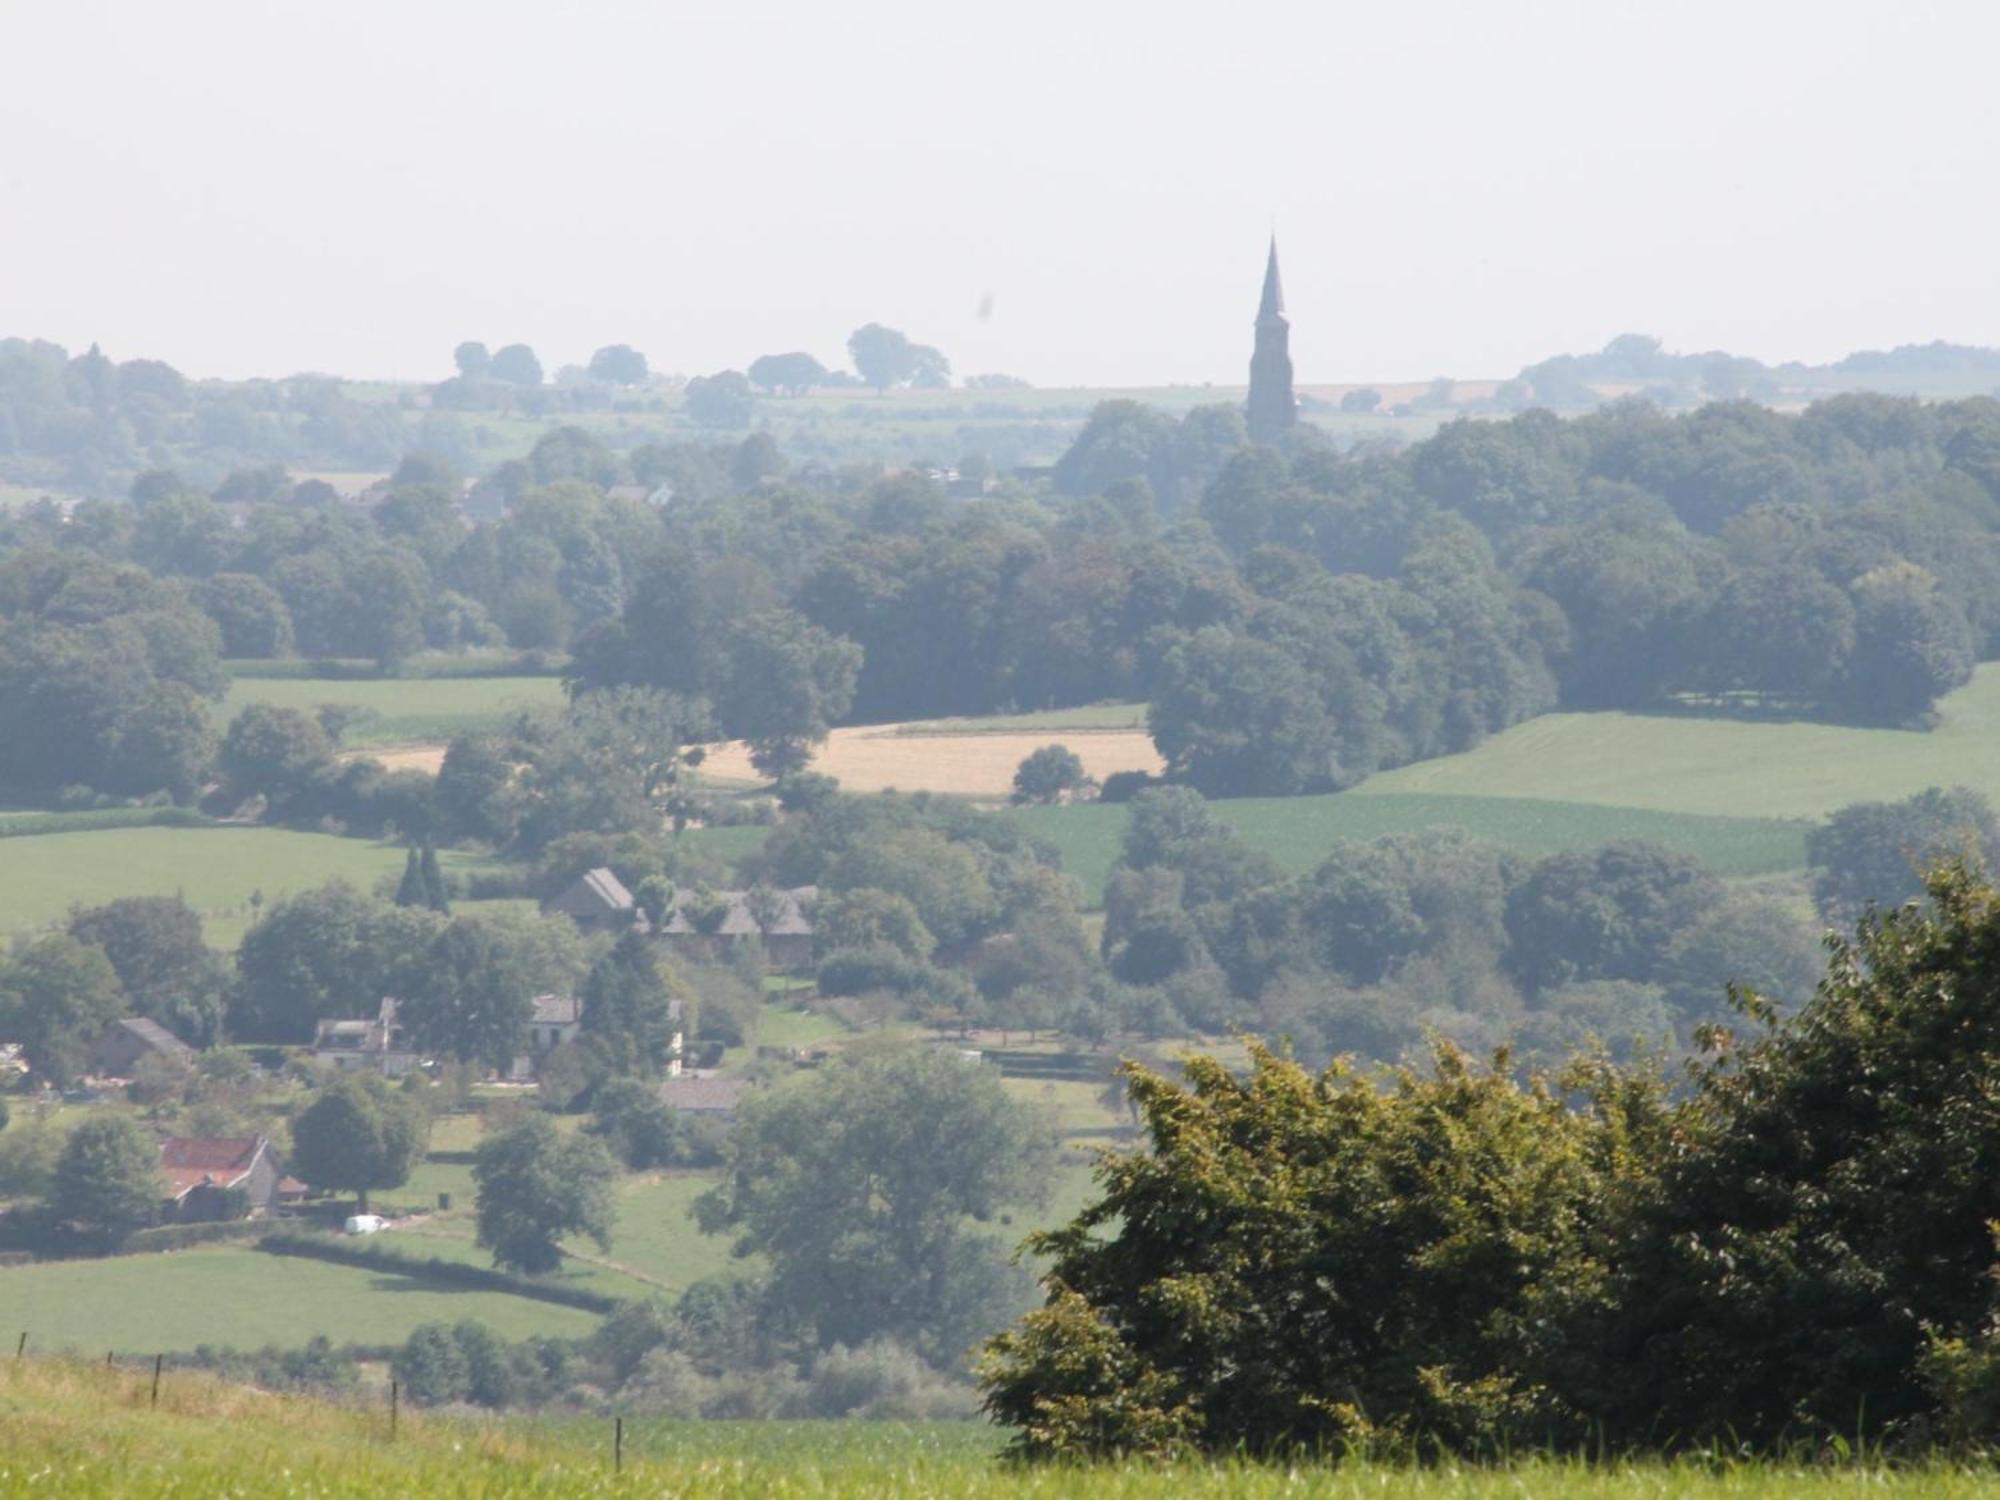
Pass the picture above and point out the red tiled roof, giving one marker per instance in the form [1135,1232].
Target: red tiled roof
[189,1161]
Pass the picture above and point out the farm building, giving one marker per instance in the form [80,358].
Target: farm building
[206,1174]
[780,920]
[556,1020]
[553,1021]
[597,901]
[361,1045]
[126,1043]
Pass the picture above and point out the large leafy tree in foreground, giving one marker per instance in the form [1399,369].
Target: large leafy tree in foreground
[1792,1251]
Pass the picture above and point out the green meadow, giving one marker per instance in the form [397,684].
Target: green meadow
[401,710]
[217,870]
[1721,766]
[234,1296]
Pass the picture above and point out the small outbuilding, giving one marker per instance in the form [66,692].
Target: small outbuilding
[125,1044]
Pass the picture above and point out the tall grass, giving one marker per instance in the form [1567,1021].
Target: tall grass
[80,1429]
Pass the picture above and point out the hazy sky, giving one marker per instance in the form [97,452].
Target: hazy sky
[259,188]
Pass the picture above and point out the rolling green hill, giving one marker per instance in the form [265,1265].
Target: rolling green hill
[1725,767]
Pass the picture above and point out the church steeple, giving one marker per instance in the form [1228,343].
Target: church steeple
[1273,305]
[1272,408]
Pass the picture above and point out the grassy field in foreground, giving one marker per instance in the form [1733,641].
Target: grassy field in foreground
[79,1429]
[1298,831]
[401,710]
[1729,767]
[215,869]
[231,1295]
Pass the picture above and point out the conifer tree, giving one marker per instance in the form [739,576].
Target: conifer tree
[435,896]
[410,889]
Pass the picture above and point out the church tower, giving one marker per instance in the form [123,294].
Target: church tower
[1272,407]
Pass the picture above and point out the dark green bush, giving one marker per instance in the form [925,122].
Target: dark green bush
[1798,1248]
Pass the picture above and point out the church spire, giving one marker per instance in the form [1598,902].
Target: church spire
[1271,408]
[1273,305]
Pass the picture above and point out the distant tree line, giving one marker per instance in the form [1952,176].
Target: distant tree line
[1296,619]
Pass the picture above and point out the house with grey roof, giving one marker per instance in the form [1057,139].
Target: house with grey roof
[597,901]
[780,921]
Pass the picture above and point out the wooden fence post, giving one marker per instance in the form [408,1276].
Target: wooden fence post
[395,1397]
[159,1360]
[22,1347]
[618,1445]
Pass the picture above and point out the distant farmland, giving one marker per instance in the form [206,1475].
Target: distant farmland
[958,760]
[402,710]
[1299,831]
[1727,767]
[215,869]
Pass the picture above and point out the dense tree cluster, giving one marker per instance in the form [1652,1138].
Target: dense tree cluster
[1796,1248]
[1296,619]
[87,423]
[106,677]
[1436,932]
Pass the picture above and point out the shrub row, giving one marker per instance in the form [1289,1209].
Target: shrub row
[182,1236]
[375,1256]
[103,817]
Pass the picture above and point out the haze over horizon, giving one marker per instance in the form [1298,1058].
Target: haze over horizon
[1462,189]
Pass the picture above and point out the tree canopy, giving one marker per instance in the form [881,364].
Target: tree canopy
[863,1186]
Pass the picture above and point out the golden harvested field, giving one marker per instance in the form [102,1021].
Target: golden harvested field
[876,757]
[880,756]
[425,758]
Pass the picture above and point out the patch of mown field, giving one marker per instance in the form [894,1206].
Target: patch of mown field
[1093,718]
[216,870]
[1723,766]
[75,1428]
[1298,832]
[452,1239]
[235,1296]
[656,1235]
[401,710]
